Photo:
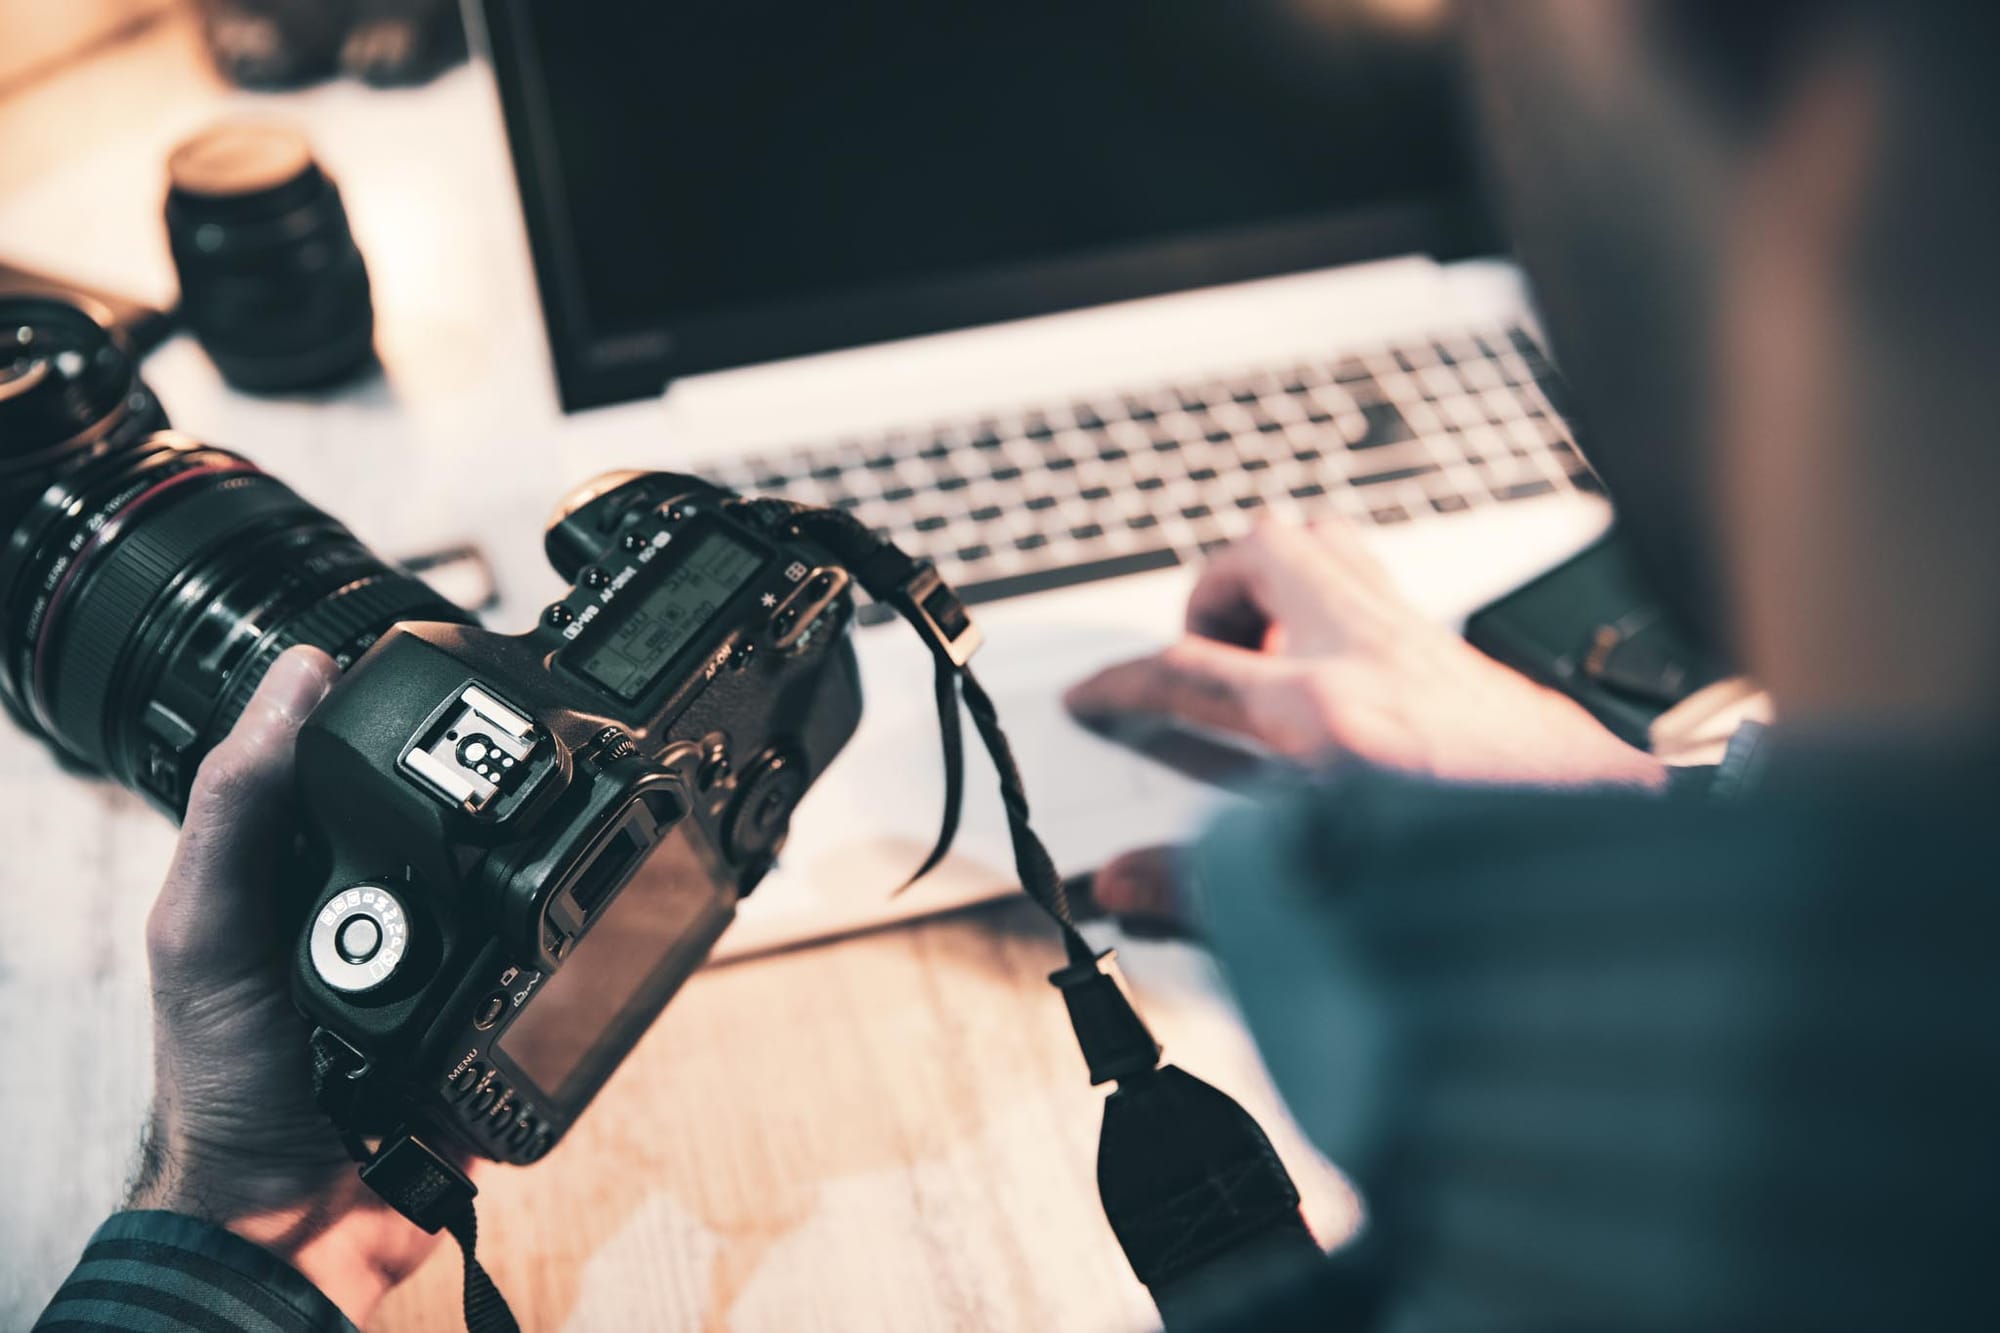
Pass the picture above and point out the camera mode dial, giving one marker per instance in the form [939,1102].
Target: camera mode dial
[359,938]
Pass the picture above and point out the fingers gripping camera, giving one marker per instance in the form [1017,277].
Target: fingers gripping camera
[527,842]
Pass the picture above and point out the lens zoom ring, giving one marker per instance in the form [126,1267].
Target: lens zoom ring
[337,622]
[139,565]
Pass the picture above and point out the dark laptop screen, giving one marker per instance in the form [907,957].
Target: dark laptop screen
[712,183]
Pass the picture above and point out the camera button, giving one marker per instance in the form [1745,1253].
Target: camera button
[503,1110]
[490,1010]
[359,939]
[558,615]
[482,1100]
[714,768]
[524,1130]
[540,1147]
[595,577]
[468,1079]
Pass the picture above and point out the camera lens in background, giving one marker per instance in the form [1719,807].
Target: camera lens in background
[69,392]
[271,281]
[144,594]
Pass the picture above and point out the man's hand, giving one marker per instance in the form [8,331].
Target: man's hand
[1297,640]
[235,1136]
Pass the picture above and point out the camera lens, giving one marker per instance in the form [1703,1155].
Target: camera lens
[144,594]
[69,392]
[271,281]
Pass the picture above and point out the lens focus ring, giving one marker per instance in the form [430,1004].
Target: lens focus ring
[339,624]
[106,609]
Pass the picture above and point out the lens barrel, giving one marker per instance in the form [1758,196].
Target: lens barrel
[271,280]
[69,392]
[144,594]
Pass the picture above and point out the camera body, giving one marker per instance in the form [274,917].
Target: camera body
[523,844]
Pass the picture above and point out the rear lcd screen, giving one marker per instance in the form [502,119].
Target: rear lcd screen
[645,635]
[632,959]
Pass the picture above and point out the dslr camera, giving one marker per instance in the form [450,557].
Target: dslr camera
[516,847]
[531,840]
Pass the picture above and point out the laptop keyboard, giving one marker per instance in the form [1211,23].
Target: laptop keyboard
[1112,484]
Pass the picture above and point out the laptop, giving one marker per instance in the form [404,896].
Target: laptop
[1063,297]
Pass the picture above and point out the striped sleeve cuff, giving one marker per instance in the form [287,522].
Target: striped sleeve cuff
[152,1272]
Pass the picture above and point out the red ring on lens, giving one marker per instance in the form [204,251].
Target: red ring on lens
[104,536]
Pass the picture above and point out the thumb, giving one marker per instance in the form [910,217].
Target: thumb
[238,809]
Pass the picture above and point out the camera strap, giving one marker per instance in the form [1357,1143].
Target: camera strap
[1189,1181]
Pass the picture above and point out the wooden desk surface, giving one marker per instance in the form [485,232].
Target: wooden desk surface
[893,1131]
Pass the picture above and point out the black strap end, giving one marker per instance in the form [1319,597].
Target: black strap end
[1189,1180]
[1116,1042]
[417,1181]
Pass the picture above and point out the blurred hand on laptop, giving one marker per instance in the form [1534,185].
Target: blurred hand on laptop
[1298,642]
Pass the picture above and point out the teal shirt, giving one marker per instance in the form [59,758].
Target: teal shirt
[1602,1060]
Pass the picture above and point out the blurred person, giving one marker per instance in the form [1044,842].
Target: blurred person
[1597,1056]
[1603,1047]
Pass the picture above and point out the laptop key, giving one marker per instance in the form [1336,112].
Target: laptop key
[1389,514]
[1393,474]
[1385,426]
[1522,490]
[1040,502]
